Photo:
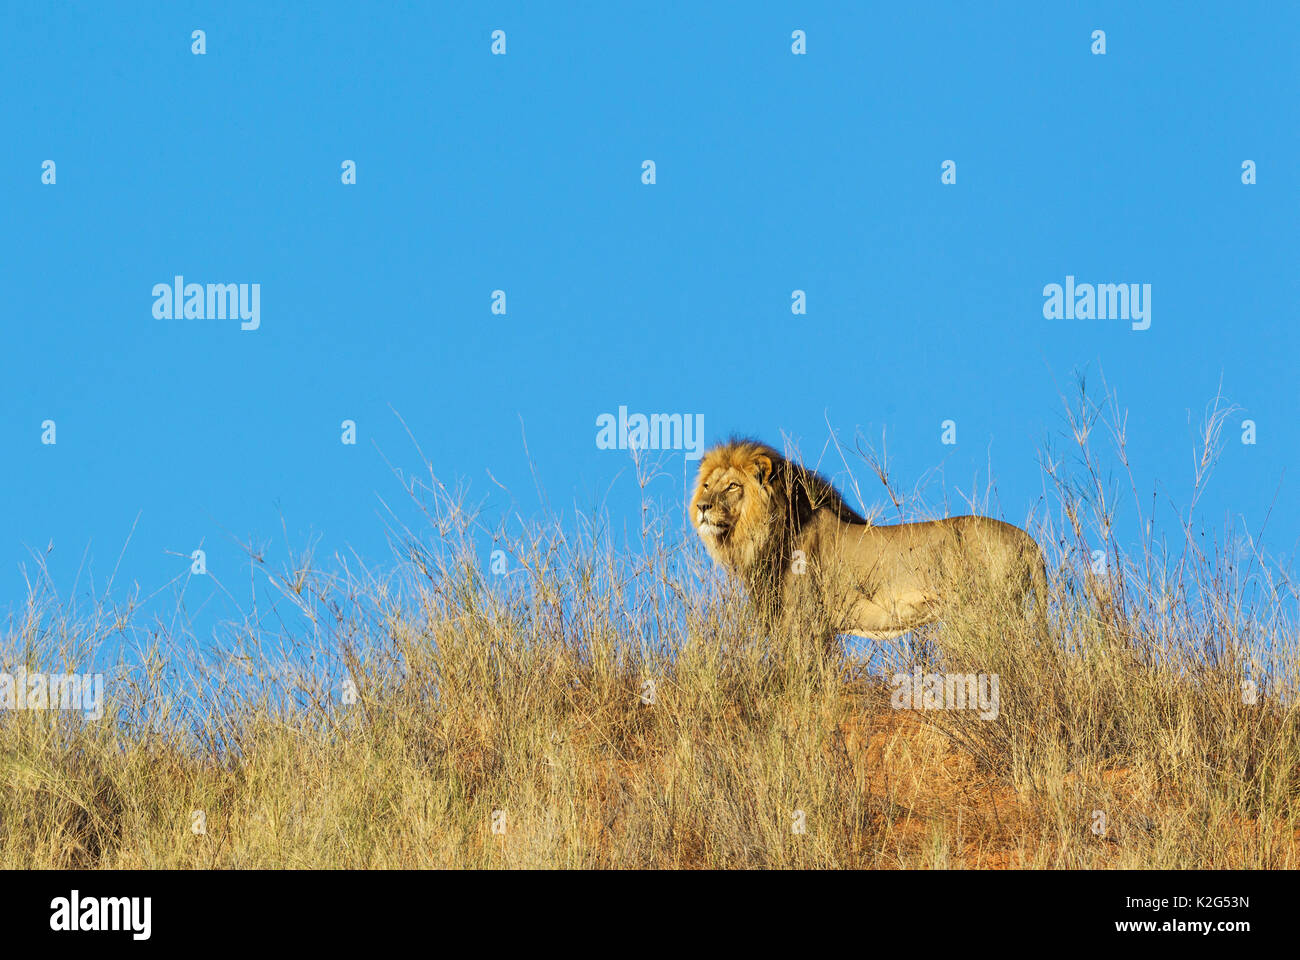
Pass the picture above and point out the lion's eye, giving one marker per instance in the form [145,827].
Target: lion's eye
[706,486]
[733,486]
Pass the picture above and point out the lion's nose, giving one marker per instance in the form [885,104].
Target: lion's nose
[704,508]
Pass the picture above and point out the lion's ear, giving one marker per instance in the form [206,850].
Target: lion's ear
[763,467]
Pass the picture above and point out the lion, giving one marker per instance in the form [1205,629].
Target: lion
[786,533]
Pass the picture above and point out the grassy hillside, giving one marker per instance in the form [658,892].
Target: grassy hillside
[594,707]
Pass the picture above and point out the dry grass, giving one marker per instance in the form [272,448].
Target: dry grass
[526,694]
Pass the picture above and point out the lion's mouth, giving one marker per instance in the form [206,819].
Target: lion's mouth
[711,528]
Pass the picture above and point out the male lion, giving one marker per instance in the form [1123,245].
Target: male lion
[788,534]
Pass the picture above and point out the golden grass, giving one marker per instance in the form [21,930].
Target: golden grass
[523,698]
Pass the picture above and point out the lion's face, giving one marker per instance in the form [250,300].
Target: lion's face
[719,501]
[731,505]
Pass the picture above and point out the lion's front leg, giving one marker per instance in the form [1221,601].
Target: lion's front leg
[805,614]
[869,617]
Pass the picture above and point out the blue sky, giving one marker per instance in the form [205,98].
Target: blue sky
[523,172]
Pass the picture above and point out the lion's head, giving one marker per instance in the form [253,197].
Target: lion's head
[747,496]
[732,508]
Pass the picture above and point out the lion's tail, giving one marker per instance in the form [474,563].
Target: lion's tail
[1038,572]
